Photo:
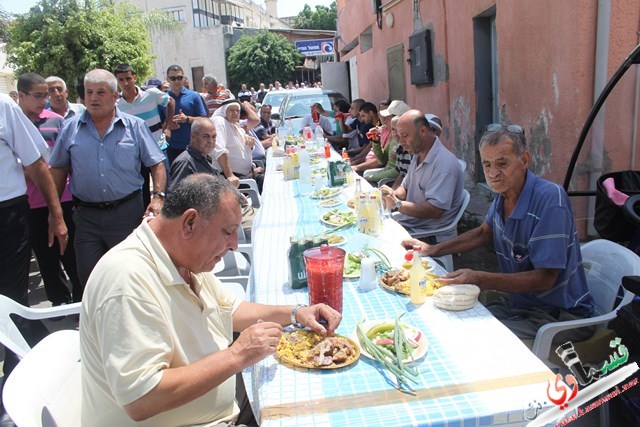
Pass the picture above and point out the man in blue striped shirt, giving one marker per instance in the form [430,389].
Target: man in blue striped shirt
[144,105]
[532,227]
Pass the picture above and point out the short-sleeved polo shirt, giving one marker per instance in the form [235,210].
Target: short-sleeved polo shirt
[437,180]
[49,124]
[106,168]
[541,233]
[140,317]
[145,106]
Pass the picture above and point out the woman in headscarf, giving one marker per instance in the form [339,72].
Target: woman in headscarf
[233,152]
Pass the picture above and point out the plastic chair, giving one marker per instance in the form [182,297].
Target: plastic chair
[236,284]
[10,335]
[250,188]
[463,165]
[45,388]
[235,263]
[445,260]
[605,264]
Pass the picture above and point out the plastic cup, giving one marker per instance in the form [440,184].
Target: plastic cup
[325,266]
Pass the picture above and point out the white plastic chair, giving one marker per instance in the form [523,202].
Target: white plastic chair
[236,284]
[250,188]
[45,388]
[235,263]
[446,260]
[10,335]
[605,263]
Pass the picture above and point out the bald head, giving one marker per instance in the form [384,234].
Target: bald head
[414,133]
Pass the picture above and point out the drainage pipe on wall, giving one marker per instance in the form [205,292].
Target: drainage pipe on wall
[599,81]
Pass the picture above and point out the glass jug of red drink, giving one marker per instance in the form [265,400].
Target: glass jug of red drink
[325,266]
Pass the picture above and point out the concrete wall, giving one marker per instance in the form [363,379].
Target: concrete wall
[546,60]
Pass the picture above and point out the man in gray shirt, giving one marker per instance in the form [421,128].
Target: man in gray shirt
[432,192]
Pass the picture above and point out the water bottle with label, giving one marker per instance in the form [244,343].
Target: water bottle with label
[304,185]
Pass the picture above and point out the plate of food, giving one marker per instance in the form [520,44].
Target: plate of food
[351,203]
[352,262]
[325,193]
[329,203]
[414,345]
[309,349]
[336,218]
[335,239]
[397,280]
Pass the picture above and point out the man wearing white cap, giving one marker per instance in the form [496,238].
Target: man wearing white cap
[432,192]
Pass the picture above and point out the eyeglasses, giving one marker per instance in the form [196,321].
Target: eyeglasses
[38,96]
[509,128]
[174,78]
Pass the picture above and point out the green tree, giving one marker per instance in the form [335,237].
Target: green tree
[323,18]
[260,58]
[67,38]
[5,20]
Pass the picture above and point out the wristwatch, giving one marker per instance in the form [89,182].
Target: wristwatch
[398,205]
[188,120]
[159,194]
[294,312]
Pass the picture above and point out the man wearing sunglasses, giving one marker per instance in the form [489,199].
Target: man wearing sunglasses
[531,224]
[188,106]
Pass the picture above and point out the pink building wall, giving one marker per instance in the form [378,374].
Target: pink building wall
[546,59]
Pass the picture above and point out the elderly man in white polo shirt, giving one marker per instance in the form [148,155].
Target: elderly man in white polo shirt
[432,191]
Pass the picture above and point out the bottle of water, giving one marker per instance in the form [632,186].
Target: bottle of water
[318,137]
[304,185]
[289,125]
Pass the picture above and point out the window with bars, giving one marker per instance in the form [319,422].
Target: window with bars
[206,13]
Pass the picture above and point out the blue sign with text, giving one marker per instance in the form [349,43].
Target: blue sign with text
[315,47]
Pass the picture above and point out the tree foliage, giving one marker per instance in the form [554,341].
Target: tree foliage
[5,20]
[67,38]
[261,58]
[323,18]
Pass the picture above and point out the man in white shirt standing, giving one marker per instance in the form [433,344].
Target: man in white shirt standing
[21,148]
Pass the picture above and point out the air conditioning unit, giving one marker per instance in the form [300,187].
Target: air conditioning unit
[227,30]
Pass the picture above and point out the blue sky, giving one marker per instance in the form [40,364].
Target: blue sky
[285,7]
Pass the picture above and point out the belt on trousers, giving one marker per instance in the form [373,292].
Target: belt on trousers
[12,202]
[103,206]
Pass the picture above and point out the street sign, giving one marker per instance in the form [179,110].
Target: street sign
[315,47]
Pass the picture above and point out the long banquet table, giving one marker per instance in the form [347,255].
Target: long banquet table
[475,373]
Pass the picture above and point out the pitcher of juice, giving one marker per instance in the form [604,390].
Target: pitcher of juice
[324,274]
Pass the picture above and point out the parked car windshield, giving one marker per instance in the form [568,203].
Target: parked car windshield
[275,98]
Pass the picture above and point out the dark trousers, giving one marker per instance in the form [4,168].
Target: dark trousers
[98,230]
[172,153]
[15,256]
[49,259]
